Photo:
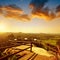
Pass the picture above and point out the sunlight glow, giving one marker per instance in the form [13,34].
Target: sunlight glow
[2,28]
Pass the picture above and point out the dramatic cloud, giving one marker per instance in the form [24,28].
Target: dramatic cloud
[37,9]
[38,3]
[58,8]
[58,11]
[40,11]
[12,11]
[13,8]
[23,17]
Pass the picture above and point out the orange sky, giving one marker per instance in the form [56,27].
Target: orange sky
[30,16]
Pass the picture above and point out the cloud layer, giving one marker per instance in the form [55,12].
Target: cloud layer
[40,11]
[12,11]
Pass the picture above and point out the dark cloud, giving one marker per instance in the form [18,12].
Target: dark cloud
[58,8]
[58,11]
[40,11]
[38,3]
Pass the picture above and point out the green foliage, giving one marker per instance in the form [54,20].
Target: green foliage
[53,42]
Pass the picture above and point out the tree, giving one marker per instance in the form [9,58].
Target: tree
[11,37]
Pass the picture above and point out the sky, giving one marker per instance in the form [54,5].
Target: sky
[30,16]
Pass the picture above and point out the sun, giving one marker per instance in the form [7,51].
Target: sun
[2,28]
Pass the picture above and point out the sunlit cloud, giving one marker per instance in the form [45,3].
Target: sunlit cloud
[25,17]
[40,11]
[58,11]
[12,11]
